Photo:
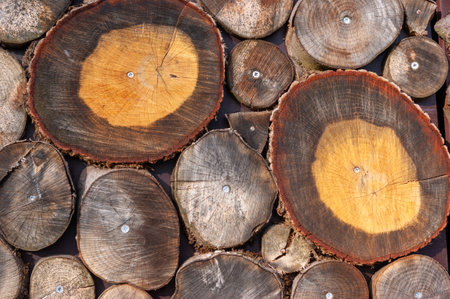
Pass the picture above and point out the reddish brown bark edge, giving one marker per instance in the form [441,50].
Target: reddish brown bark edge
[421,116]
[45,134]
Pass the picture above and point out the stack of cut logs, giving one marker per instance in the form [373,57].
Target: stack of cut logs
[324,167]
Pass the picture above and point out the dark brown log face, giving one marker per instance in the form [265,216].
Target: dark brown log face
[13,117]
[61,277]
[249,18]
[24,20]
[360,169]
[12,276]
[252,126]
[105,94]
[418,66]
[258,73]
[36,195]
[224,190]
[128,230]
[347,33]
[418,15]
[124,291]
[226,275]
[330,279]
[414,276]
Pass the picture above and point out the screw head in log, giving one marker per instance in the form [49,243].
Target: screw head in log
[359,166]
[418,65]
[135,81]
[347,33]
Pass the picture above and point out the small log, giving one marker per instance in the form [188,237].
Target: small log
[360,169]
[442,27]
[12,275]
[105,86]
[61,277]
[252,126]
[418,15]
[418,66]
[330,279]
[224,190]
[36,192]
[13,116]
[285,250]
[347,33]
[124,291]
[22,21]
[414,276]
[226,275]
[128,230]
[249,18]
[258,73]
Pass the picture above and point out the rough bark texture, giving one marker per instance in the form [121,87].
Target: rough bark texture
[286,250]
[22,21]
[226,275]
[414,276]
[363,173]
[224,190]
[258,73]
[128,230]
[13,116]
[252,126]
[347,33]
[418,15]
[124,291]
[442,27]
[249,18]
[36,193]
[12,276]
[61,277]
[330,279]
[96,83]
[418,66]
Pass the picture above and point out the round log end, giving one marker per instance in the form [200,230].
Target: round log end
[124,291]
[12,275]
[442,27]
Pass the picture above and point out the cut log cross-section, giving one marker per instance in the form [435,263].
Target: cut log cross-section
[61,277]
[12,275]
[418,15]
[224,190]
[143,74]
[347,33]
[224,275]
[13,117]
[128,229]
[249,18]
[442,27]
[417,65]
[363,173]
[124,291]
[36,195]
[330,279]
[414,276]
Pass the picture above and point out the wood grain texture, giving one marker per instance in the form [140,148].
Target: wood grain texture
[22,21]
[285,249]
[224,190]
[145,75]
[330,279]
[258,73]
[249,18]
[418,66]
[124,291]
[414,276]
[128,230]
[36,193]
[252,126]
[442,27]
[226,275]
[13,116]
[12,275]
[347,33]
[418,14]
[61,276]
[361,170]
